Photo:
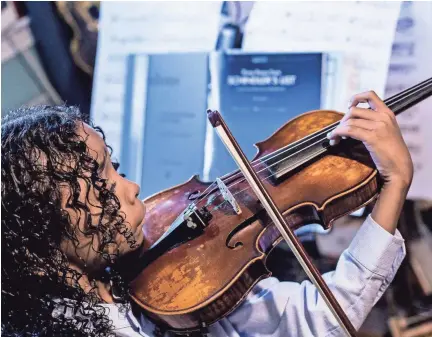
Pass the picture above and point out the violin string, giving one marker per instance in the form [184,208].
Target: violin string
[270,156]
[245,189]
[273,174]
[404,95]
[410,91]
[289,147]
[391,101]
[201,198]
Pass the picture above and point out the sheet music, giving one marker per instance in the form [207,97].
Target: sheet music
[143,27]
[410,64]
[362,30]
[174,99]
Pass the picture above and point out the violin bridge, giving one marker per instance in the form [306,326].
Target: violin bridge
[227,195]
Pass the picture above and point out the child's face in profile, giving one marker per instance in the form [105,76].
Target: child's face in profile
[84,254]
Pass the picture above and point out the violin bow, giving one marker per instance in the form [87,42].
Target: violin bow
[266,200]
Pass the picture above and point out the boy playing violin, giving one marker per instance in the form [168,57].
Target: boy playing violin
[67,214]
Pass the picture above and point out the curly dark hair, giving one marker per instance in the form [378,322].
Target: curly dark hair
[36,142]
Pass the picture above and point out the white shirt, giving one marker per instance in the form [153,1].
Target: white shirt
[289,309]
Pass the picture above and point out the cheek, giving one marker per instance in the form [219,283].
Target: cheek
[83,249]
[83,253]
[88,196]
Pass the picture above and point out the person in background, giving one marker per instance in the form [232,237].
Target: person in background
[67,215]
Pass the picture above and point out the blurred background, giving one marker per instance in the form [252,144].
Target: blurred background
[146,72]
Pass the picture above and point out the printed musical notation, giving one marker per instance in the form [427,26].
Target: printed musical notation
[128,28]
[363,31]
[410,64]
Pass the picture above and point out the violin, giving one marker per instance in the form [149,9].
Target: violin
[207,243]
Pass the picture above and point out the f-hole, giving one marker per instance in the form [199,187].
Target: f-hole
[230,242]
[194,195]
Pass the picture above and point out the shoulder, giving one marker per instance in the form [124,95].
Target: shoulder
[124,322]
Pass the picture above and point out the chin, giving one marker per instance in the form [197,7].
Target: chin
[139,235]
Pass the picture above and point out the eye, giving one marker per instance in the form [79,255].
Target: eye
[116,167]
[100,168]
[112,188]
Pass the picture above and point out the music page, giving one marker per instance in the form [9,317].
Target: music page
[411,64]
[149,27]
[363,31]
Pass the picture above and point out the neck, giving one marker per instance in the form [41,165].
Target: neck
[99,288]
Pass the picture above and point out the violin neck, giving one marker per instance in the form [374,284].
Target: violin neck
[409,97]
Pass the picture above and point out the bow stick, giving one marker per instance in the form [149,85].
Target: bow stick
[262,194]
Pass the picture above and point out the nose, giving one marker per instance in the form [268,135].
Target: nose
[133,190]
[137,190]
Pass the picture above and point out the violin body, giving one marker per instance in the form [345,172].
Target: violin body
[199,282]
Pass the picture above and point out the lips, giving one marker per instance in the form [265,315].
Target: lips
[142,217]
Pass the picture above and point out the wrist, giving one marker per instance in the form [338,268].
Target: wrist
[389,204]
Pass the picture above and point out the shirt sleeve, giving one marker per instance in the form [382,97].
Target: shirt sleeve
[363,273]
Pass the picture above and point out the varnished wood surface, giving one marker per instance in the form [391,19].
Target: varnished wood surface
[203,279]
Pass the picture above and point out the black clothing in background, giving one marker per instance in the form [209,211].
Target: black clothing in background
[52,39]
